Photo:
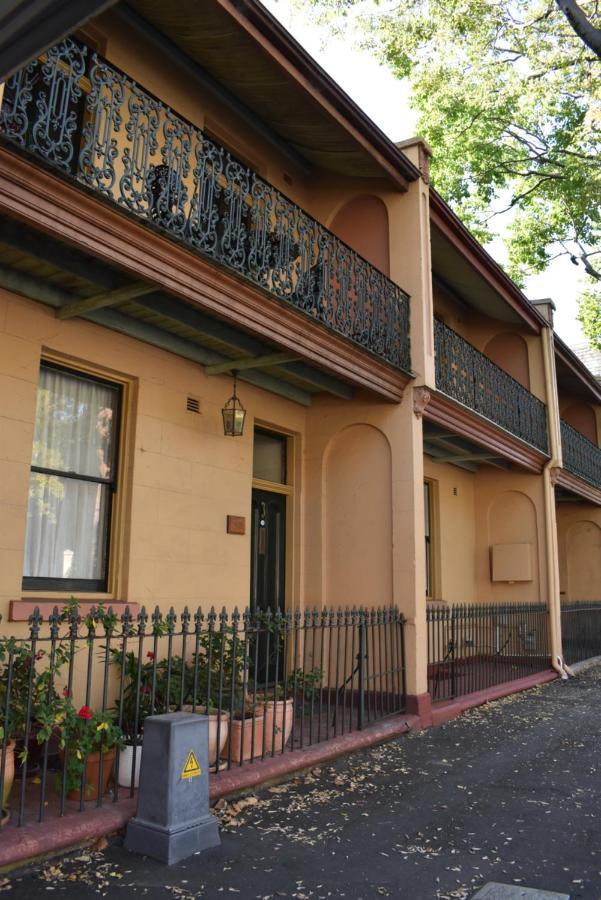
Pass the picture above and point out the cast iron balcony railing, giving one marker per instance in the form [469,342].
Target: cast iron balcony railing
[470,377]
[580,456]
[91,122]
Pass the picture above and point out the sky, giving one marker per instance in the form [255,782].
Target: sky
[386,100]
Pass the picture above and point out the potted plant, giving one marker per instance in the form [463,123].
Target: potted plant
[278,704]
[278,709]
[88,746]
[7,750]
[26,715]
[135,705]
[219,725]
[245,739]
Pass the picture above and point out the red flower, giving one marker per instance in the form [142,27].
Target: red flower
[66,692]
[145,689]
[85,713]
[150,654]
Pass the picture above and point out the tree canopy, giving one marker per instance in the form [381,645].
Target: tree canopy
[508,94]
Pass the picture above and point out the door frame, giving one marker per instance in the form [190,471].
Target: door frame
[289,490]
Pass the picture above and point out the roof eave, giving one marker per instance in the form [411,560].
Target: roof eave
[577,367]
[451,225]
[288,53]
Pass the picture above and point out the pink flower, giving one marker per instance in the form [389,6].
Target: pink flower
[85,713]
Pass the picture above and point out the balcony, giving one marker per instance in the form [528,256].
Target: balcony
[92,124]
[471,378]
[580,456]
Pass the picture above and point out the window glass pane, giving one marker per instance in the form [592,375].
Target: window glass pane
[67,525]
[75,424]
[269,457]
[427,507]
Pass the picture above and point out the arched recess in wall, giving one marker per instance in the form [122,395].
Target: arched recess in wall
[358,518]
[584,561]
[581,416]
[512,520]
[362,223]
[510,352]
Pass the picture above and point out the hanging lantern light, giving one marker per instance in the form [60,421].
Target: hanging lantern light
[234,415]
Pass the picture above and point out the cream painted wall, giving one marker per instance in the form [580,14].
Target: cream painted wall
[358,518]
[454,531]
[475,511]
[183,476]
[579,539]
[397,426]
[510,509]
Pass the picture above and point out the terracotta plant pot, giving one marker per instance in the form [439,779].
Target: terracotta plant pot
[283,723]
[239,750]
[214,716]
[126,764]
[9,773]
[92,773]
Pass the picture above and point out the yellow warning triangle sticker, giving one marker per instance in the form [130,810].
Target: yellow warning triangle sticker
[192,766]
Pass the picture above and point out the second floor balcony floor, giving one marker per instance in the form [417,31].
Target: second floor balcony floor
[92,124]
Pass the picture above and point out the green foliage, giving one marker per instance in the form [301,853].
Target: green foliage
[589,315]
[510,100]
[154,686]
[32,693]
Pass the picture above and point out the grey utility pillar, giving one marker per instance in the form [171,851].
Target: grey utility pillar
[173,819]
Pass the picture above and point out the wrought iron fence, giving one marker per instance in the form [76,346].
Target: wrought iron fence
[88,120]
[75,694]
[581,630]
[467,375]
[476,646]
[580,456]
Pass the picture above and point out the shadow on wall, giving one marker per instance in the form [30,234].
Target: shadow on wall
[581,416]
[584,561]
[362,223]
[510,352]
[358,518]
[512,520]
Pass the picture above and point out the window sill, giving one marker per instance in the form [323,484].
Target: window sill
[21,610]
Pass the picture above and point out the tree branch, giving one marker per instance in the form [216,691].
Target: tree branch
[589,268]
[581,26]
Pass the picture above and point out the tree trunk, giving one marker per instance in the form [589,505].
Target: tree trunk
[585,30]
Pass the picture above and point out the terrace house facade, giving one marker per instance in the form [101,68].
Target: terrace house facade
[185,195]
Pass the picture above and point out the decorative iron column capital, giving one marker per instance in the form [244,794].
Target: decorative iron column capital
[554,474]
[421,398]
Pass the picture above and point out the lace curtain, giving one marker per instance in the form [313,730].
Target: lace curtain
[67,518]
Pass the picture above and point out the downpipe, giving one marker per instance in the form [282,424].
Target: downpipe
[555,462]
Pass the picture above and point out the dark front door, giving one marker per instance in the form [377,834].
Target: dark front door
[268,551]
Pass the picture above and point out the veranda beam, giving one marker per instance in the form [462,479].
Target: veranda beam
[251,362]
[44,293]
[185,314]
[106,298]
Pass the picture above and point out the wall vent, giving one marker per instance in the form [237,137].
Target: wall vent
[193,404]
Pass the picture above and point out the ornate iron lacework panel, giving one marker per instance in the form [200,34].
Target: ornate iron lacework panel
[580,456]
[89,121]
[470,377]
